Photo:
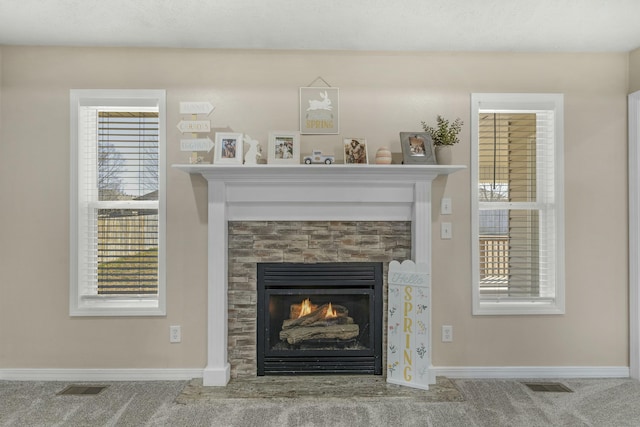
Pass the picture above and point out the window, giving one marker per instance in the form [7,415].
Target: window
[117,202]
[517,203]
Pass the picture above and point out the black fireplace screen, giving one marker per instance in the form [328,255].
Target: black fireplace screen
[319,318]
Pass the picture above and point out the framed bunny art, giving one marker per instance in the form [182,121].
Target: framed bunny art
[319,110]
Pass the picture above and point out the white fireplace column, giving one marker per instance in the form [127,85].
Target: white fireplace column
[217,371]
[304,193]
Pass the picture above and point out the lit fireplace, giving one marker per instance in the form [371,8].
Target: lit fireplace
[311,324]
[319,318]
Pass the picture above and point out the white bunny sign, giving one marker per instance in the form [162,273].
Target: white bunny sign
[324,104]
[319,110]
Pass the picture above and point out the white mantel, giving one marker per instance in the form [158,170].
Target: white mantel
[304,193]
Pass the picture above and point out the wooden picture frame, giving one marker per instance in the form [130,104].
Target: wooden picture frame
[417,148]
[229,148]
[284,147]
[355,151]
[319,110]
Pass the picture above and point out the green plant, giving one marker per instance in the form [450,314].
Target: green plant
[445,133]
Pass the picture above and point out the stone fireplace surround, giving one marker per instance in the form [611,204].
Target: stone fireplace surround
[253,242]
[303,193]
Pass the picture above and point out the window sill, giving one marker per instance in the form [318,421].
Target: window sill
[125,305]
[518,308]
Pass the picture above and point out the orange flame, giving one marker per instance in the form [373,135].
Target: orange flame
[305,308]
[330,312]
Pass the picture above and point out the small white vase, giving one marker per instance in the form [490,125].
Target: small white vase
[444,155]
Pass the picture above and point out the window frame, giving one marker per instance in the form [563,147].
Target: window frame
[115,305]
[520,103]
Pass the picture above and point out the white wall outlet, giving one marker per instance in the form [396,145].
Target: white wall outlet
[446,231]
[447,333]
[445,206]
[175,333]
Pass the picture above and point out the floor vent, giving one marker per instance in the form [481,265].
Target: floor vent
[549,387]
[82,390]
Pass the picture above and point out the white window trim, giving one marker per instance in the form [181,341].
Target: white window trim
[528,103]
[110,305]
[634,234]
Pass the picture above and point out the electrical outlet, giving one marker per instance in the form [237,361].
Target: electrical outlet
[175,333]
[447,333]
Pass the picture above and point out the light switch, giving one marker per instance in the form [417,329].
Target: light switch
[445,206]
[446,231]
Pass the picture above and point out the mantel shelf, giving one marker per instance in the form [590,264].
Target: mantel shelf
[330,172]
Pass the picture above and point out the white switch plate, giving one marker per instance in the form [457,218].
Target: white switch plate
[445,206]
[446,231]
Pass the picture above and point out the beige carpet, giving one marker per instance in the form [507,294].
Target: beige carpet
[487,403]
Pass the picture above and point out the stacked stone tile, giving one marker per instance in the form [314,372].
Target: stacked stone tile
[251,242]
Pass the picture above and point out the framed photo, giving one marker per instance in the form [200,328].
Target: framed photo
[355,151]
[284,147]
[229,148]
[417,148]
[319,110]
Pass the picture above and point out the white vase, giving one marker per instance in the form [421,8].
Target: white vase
[444,155]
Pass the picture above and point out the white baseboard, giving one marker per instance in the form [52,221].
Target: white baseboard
[505,372]
[99,374]
[531,371]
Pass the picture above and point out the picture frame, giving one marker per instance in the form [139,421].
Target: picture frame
[319,110]
[417,148]
[284,147]
[229,148]
[355,151]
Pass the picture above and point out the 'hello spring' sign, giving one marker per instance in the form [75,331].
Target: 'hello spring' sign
[408,329]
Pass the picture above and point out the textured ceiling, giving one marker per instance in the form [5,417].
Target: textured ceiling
[394,25]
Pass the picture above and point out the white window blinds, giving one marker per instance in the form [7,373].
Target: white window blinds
[127,233]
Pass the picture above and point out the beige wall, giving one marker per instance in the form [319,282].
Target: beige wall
[254,92]
[634,70]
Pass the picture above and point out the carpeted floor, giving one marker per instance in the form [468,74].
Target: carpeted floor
[593,402]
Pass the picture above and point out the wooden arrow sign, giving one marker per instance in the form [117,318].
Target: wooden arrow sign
[196,144]
[196,108]
[194,126]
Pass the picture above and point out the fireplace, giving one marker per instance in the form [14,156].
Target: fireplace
[323,318]
[303,193]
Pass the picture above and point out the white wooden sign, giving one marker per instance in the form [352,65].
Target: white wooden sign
[196,144]
[408,323]
[196,108]
[194,126]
